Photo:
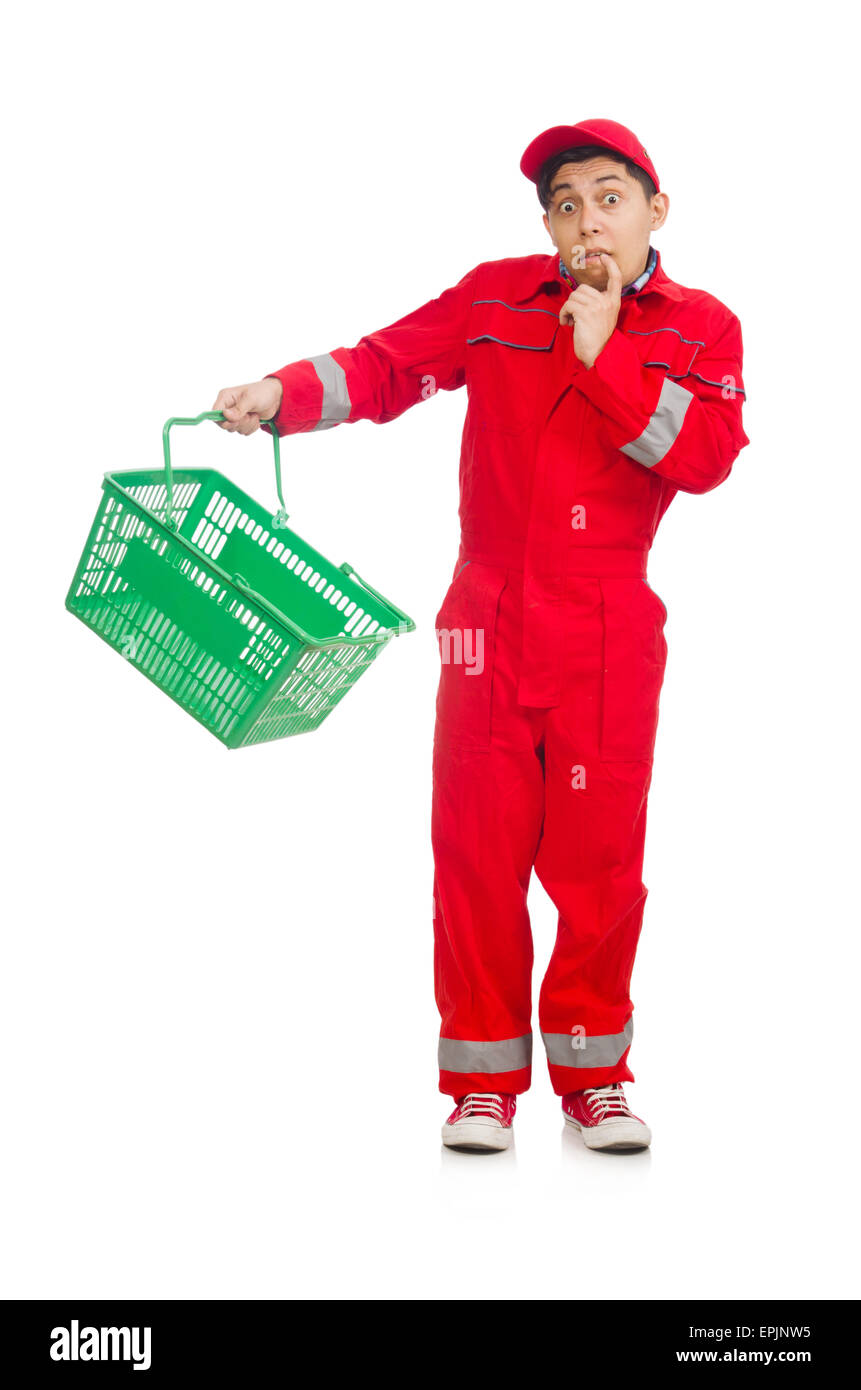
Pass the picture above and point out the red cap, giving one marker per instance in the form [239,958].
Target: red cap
[608,134]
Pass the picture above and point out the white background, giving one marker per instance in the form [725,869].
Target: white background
[218,1027]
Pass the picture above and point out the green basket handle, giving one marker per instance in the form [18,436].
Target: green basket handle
[279,520]
[405,623]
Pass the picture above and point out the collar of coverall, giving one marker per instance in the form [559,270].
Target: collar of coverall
[554,275]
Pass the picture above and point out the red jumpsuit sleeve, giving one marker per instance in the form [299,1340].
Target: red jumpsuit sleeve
[690,434]
[385,373]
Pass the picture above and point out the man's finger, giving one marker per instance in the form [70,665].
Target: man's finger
[224,401]
[566,313]
[588,292]
[236,407]
[614,274]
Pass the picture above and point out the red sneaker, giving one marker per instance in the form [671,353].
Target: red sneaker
[482,1121]
[604,1120]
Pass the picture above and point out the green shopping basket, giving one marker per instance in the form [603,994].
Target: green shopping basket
[221,605]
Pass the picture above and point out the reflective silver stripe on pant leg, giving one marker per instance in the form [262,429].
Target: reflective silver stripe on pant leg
[599,1050]
[509,1054]
[336,397]
[662,431]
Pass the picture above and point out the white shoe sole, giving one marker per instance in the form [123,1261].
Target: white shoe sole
[619,1134]
[473,1134]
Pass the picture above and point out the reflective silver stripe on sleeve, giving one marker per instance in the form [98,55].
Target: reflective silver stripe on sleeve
[510,1054]
[599,1050]
[662,431]
[336,397]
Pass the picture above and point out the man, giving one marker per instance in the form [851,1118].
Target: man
[598,388]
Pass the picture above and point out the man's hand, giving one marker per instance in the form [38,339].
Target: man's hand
[593,312]
[245,406]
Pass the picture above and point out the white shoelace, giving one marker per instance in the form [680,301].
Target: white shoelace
[482,1103]
[605,1101]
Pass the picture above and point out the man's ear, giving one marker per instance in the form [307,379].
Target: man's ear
[546,220]
[660,210]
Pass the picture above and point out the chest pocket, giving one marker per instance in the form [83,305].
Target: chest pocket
[508,363]
[667,348]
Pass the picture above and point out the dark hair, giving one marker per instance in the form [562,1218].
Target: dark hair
[551,166]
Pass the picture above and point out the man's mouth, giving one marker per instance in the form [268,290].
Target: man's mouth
[584,257]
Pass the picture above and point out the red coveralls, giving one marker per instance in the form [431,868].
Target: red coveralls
[551,640]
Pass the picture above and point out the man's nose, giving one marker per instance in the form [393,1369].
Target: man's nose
[590,220]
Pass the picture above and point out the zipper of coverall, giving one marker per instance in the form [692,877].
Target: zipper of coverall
[566,505]
[645,289]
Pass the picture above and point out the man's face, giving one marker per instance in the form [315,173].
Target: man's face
[598,206]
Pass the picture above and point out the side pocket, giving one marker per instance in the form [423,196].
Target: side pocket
[635,654]
[466,634]
[460,566]
[658,600]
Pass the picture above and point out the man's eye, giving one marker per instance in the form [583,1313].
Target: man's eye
[567,204]
[612,195]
